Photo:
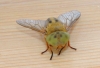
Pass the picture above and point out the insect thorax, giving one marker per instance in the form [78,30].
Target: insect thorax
[53,27]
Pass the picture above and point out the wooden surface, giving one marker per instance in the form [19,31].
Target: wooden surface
[21,47]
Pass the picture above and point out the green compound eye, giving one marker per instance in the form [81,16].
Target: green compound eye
[57,38]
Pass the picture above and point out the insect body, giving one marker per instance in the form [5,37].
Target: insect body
[56,33]
[54,29]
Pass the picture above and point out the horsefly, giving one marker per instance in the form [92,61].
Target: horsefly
[55,30]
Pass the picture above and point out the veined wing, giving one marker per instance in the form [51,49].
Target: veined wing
[38,25]
[69,18]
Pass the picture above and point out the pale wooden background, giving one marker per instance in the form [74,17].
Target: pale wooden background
[21,47]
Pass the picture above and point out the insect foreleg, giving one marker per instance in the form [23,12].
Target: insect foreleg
[47,47]
[70,46]
[61,49]
[51,54]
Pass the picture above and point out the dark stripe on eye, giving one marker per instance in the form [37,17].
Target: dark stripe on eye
[55,36]
[60,35]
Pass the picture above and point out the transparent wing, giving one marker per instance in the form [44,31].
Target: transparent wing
[37,25]
[69,18]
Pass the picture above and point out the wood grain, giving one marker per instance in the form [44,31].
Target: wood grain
[21,47]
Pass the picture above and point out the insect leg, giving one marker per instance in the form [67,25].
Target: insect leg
[70,46]
[45,50]
[51,54]
[47,47]
[61,50]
